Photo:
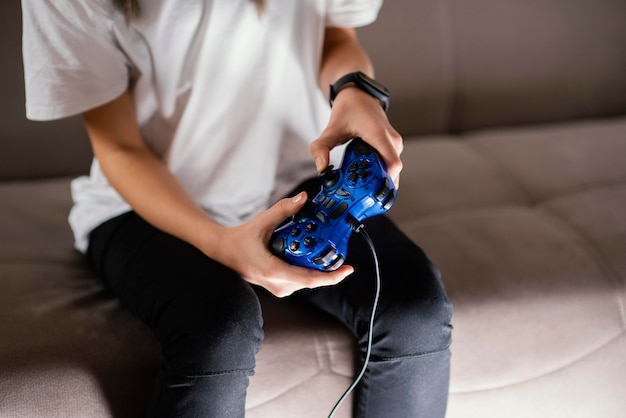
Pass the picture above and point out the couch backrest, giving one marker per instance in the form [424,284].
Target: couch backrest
[31,149]
[451,65]
[455,65]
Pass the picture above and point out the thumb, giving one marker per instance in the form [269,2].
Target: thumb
[284,209]
[320,150]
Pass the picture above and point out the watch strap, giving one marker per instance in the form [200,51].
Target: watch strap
[364,83]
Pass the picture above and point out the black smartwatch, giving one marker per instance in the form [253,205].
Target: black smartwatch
[362,82]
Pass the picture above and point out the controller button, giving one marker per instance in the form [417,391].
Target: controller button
[339,210]
[294,246]
[331,179]
[364,175]
[329,203]
[354,177]
[392,199]
[309,242]
[321,217]
[343,193]
[383,190]
[310,227]
[326,257]
[335,264]
[364,164]
[295,232]
[360,146]
[353,167]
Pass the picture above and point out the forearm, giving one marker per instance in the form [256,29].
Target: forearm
[156,195]
[143,180]
[341,55]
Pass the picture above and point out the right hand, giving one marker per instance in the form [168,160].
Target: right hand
[245,250]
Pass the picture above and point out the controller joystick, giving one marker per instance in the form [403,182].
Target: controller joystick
[307,210]
[317,236]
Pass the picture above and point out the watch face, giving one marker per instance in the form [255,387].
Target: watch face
[373,82]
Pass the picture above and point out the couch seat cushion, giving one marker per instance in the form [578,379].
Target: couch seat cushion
[528,227]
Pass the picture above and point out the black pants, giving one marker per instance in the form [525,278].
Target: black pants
[209,321]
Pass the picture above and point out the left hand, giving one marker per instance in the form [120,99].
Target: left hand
[357,114]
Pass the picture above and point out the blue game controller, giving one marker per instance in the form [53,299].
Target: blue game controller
[317,236]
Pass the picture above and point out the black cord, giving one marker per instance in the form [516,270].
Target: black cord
[361,229]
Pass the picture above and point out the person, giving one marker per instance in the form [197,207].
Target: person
[200,115]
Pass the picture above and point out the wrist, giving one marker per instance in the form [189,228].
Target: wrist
[208,237]
[361,82]
[351,97]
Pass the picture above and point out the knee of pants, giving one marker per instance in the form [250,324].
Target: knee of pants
[206,339]
[414,322]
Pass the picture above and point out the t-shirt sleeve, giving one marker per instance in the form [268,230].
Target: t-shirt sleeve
[71,61]
[352,13]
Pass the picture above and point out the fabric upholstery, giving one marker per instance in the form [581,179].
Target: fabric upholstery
[514,118]
[453,66]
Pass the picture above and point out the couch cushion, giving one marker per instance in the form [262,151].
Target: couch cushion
[528,227]
[524,166]
[66,348]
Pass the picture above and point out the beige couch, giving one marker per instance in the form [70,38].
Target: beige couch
[514,114]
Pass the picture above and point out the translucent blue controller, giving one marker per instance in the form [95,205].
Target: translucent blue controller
[317,236]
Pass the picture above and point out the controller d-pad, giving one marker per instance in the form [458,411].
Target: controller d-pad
[359,170]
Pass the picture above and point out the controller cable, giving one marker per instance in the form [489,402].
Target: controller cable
[360,228]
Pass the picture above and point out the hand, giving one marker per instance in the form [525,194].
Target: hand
[245,250]
[355,113]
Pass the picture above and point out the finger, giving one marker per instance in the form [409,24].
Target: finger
[321,147]
[320,150]
[394,172]
[283,209]
[390,150]
[294,278]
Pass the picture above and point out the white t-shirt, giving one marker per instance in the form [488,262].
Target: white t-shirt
[227,97]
